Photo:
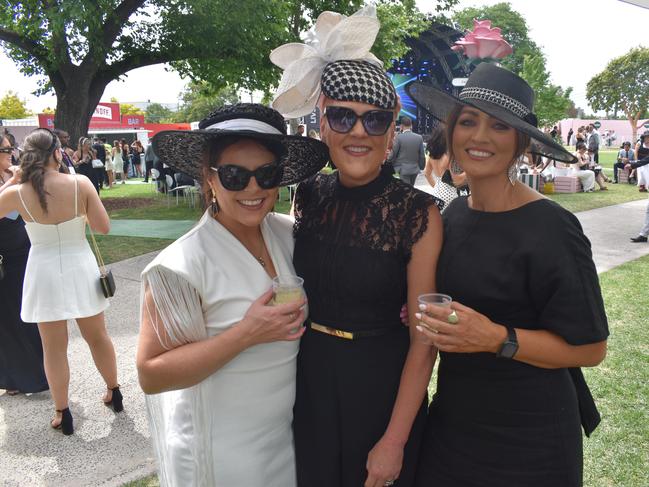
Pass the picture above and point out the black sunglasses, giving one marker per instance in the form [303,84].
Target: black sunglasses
[342,120]
[6,150]
[236,178]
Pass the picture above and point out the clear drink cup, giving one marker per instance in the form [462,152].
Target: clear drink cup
[287,289]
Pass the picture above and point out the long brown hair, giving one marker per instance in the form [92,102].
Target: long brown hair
[38,147]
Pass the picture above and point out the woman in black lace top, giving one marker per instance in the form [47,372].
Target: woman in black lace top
[366,243]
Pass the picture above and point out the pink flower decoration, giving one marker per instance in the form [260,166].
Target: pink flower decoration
[484,42]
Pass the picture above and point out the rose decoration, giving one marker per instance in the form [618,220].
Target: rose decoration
[334,37]
[484,42]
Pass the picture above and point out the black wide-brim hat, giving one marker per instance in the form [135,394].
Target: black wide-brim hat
[500,94]
[183,150]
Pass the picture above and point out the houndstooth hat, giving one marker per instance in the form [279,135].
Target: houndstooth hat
[183,150]
[361,81]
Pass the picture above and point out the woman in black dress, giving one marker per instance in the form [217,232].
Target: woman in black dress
[527,309]
[365,244]
[21,352]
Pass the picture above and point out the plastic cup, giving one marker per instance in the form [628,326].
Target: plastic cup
[287,289]
[436,299]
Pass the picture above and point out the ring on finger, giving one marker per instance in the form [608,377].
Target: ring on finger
[292,316]
[388,483]
[453,318]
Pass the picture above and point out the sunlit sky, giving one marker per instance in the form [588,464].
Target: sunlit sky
[578,37]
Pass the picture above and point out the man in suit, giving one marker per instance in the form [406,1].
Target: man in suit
[100,172]
[408,154]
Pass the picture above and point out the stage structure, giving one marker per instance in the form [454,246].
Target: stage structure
[429,60]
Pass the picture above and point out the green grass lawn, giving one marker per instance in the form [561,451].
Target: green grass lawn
[617,453]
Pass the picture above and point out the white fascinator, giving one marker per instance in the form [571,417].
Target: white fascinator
[334,37]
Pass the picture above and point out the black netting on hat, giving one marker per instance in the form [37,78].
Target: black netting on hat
[358,81]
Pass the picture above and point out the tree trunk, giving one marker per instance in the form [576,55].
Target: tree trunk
[75,105]
[634,129]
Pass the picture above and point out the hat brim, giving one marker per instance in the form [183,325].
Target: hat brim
[440,104]
[183,150]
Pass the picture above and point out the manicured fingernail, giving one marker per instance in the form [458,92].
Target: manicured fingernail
[422,307]
[420,328]
[418,316]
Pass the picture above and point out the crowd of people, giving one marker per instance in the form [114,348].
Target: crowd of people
[329,388]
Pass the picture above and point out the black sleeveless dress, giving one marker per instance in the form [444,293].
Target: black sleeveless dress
[21,352]
[352,248]
[499,422]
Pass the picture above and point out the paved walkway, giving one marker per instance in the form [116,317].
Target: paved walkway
[109,449]
[150,228]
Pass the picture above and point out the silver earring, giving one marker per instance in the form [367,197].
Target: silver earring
[512,173]
[455,167]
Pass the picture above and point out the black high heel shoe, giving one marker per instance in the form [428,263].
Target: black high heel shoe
[116,401]
[66,425]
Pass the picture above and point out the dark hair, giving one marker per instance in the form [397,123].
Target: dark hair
[215,149]
[580,145]
[436,146]
[406,122]
[38,147]
[626,143]
[522,139]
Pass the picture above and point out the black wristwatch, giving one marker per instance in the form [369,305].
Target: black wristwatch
[510,346]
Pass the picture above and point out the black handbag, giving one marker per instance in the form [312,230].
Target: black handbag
[107,282]
[106,279]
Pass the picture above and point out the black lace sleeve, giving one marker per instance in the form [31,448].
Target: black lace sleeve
[416,221]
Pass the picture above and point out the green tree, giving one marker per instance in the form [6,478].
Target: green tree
[129,109]
[514,30]
[11,106]
[199,98]
[552,101]
[623,85]
[78,47]
[157,113]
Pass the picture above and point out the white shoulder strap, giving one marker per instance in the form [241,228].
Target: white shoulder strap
[20,194]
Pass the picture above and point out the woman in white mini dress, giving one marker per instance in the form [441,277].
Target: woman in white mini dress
[216,359]
[62,277]
[118,162]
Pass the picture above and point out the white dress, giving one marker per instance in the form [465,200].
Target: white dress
[443,191]
[234,428]
[62,275]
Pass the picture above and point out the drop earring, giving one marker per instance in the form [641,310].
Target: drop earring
[214,205]
[512,173]
[455,167]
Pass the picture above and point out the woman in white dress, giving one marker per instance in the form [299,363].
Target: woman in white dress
[118,162]
[215,358]
[62,276]
[580,169]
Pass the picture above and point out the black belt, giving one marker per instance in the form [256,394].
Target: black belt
[350,335]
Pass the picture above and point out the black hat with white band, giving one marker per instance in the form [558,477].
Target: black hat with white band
[500,94]
[184,150]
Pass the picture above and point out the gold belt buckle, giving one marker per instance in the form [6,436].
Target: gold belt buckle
[347,335]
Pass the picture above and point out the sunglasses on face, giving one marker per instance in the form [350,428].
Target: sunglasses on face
[342,120]
[6,150]
[236,178]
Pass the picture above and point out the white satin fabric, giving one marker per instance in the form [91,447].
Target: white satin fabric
[234,428]
[334,37]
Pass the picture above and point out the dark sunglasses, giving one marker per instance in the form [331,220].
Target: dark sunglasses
[342,120]
[236,178]
[6,150]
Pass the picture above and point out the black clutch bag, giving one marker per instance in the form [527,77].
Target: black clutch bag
[107,282]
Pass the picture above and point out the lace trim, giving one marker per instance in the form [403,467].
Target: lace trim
[391,221]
